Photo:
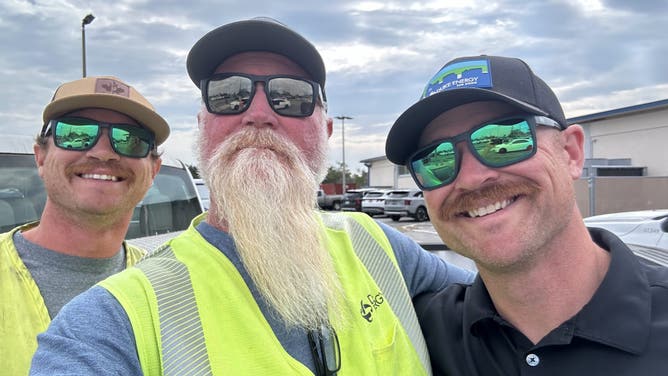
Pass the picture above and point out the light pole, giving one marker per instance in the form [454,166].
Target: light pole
[86,20]
[343,149]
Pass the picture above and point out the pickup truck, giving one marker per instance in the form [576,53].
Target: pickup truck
[166,209]
[329,202]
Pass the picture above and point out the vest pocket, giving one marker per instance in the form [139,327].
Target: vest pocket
[397,357]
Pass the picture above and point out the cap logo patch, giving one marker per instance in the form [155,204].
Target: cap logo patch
[109,86]
[464,74]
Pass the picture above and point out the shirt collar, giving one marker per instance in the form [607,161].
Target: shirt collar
[617,315]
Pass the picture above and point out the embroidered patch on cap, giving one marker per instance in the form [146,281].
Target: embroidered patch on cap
[110,86]
[465,74]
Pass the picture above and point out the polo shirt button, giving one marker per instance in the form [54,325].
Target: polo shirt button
[532,360]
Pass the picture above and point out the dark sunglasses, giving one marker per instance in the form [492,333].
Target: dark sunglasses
[232,93]
[80,134]
[495,144]
[325,350]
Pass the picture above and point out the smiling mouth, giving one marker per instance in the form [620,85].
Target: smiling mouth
[100,177]
[489,209]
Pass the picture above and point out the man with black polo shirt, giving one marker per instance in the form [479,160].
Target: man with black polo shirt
[490,146]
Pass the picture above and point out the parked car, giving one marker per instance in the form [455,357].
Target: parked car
[373,203]
[203,192]
[514,145]
[406,203]
[166,209]
[644,231]
[329,202]
[352,199]
[280,103]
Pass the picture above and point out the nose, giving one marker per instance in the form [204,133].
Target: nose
[102,149]
[472,173]
[259,113]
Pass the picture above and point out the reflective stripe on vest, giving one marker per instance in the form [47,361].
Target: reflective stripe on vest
[182,337]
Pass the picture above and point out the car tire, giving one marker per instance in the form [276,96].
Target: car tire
[421,214]
[336,206]
[395,218]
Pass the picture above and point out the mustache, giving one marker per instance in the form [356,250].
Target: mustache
[112,167]
[469,200]
[252,137]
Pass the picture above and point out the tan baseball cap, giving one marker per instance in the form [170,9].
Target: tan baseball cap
[110,93]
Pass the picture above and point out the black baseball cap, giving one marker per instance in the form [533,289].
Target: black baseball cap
[257,34]
[472,79]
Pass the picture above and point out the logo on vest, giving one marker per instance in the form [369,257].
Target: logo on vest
[370,304]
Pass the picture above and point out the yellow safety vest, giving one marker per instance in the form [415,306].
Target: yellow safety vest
[23,313]
[190,309]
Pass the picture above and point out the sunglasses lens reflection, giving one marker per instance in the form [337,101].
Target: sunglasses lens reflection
[227,95]
[130,141]
[75,134]
[82,134]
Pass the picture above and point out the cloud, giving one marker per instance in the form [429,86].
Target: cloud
[596,54]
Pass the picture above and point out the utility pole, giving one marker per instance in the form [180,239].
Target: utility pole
[343,149]
[86,20]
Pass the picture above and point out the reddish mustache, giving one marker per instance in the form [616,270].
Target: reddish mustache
[470,200]
[110,168]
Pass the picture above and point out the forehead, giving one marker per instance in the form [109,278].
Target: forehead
[462,118]
[103,115]
[262,63]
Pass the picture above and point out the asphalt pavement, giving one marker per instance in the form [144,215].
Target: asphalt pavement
[425,234]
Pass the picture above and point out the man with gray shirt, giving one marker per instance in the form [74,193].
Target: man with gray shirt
[97,155]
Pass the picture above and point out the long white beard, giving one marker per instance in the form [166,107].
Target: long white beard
[264,193]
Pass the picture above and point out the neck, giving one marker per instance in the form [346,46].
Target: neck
[215,218]
[553,288]
[81,235]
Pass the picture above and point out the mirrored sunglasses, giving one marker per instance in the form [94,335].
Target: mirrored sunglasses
[232,93]
[80,134]
[495,144]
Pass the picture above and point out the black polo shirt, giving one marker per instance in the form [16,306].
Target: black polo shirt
[623,330]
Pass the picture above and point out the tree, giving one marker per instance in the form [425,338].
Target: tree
[194,171]
[359,178]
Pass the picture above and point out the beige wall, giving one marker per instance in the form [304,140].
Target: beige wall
[639,136]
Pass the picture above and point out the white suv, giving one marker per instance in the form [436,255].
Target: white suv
[406,203]
[373,202]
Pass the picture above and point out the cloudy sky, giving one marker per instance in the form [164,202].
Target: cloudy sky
[596,54]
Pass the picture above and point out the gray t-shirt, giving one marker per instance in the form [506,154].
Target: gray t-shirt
[61,277]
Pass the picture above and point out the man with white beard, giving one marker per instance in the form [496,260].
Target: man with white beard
[263,284]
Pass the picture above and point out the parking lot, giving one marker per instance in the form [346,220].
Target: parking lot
[425,234]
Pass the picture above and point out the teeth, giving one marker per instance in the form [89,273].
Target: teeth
[489,209]
[99,177]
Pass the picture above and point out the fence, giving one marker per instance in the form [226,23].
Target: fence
[602,195]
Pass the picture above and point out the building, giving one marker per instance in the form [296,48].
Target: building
[626,142]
